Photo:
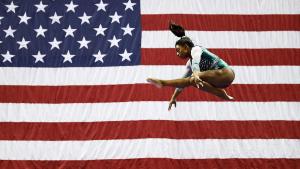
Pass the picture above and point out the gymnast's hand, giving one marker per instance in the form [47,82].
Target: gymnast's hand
[171,103]
[197,80]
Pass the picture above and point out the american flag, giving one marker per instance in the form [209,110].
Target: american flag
[73,92]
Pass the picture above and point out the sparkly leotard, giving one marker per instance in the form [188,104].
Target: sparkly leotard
[203,59]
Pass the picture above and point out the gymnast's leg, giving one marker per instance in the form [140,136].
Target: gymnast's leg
[190,81]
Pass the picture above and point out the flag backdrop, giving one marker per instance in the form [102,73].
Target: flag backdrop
[73,92]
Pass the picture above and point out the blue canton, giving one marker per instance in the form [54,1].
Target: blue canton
[69,33]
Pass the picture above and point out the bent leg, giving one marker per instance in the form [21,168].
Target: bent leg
[184,82]
[220,78]
[215,91]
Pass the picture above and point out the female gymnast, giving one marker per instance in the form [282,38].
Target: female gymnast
[204,69]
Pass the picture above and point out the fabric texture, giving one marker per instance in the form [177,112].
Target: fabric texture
[73,90]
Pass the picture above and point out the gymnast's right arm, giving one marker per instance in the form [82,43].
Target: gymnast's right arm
[188,73]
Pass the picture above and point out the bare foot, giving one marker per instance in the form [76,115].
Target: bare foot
[155,82]
[230,97]
[226,96]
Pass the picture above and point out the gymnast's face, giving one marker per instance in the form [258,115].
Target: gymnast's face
[183,51]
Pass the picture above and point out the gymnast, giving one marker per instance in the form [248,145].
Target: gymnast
[204,69]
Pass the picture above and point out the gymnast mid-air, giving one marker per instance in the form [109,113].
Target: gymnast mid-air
[204,69]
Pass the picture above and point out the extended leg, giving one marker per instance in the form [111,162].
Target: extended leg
[184,82]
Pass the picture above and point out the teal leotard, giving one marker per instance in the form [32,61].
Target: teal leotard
[210,61]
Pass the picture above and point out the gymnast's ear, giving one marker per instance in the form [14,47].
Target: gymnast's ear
[177,30]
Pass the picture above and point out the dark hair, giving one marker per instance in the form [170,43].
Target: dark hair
[185,41]
[179,31]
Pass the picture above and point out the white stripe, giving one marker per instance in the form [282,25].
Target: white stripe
[220,7]
[225,39]
[138,74]
[149,148]
[127,111]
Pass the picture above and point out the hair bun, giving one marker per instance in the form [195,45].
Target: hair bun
[177,30]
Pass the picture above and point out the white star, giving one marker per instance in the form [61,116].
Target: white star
[101,6]
[12,7]
[9,32]
[115,17]
[40,7]
[55,44]
[23,43]
[1,19]
[127,30]
[114,42]
[55,18]
[125,55]
[40,31]
[83,43]
[69,31]
[39,57]
[100,30]
[99,56]
[84,18]
[24,18]
[68,57]
[129,5]
[7,57]
[71,6]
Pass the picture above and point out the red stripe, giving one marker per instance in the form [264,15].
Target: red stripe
[141,92]
[150,129]
[223,22]
[247,57]
[159,163]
